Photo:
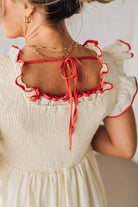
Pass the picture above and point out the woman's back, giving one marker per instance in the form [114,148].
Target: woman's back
[51,109]
[38,139]
[47,78]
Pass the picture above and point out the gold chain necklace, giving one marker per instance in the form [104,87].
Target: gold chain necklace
[36,48]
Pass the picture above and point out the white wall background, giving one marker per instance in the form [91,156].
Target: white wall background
[104,23]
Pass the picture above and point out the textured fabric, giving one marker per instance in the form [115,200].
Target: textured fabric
[120,51]
[36,166]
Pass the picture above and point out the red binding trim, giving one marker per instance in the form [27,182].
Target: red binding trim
[129,105]
[73,74]
[129,47]
[56,60]
[81,93]
[90,41]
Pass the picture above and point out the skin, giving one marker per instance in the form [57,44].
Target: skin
[117,137]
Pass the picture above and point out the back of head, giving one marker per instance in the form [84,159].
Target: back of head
[56,10]
[61,9]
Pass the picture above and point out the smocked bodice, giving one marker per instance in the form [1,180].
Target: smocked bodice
[37,133]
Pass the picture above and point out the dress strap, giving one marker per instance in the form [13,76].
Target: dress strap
[56,60]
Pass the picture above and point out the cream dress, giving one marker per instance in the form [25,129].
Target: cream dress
[37,168]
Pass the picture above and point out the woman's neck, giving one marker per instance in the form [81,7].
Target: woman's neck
[49,37]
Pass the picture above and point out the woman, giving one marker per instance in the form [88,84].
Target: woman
[54,95]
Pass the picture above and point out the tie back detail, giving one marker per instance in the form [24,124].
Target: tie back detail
[68,70]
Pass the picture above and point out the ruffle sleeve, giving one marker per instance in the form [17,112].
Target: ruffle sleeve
[128,86]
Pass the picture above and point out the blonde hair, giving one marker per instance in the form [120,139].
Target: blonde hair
[56,10]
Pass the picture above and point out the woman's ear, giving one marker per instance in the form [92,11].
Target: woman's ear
[29,9]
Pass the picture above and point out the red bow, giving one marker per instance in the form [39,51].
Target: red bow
[70,63]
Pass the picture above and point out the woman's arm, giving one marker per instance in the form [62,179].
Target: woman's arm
[118,136]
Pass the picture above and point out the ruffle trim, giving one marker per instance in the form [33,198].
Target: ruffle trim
[128,86]
[119,50]
[128,89]
[34,95]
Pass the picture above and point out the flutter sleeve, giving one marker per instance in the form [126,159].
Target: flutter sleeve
[128,86]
